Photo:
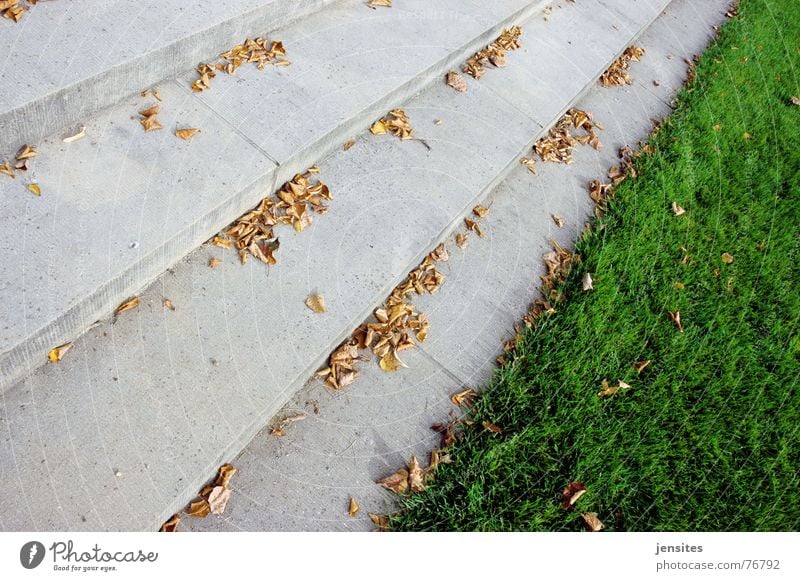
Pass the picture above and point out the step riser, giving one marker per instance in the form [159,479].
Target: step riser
[65,109]
[25,357]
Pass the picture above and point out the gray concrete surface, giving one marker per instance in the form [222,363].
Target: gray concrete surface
[304,480]
[66,60]
[163,397]
[121,206]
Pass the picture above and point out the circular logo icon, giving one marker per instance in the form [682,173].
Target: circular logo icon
[31,554]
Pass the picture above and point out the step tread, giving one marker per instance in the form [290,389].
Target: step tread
[162,414]
[121,187]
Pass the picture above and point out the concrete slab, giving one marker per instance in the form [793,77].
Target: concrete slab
[64,61]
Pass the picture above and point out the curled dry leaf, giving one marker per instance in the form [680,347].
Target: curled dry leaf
[57,353]
[440,253]
[558,220]
[35,189]
[530,163]
[560,142]
[494,54]
[592,523]
[81,133]
[795,100]
[353,509]
[640,366]
[676,318]
[380,520]
[199,508]
[26,152]
[397,482]
[187,134]
[617,74]
[416,475]
[348,144]
[465,397]
[391,362]
[608,391]
[727,258]
[456,81]
[571,493]
[316,303]
[395,122]
[168,305]
[492,427]
[6,169]
[258,51]
[474,227]
[218,499]
[677,209]
[587,282]
[171,526]
[131,303]
[214,262]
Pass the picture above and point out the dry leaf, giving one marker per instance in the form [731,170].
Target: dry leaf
[592,522]
[586,281]
[380,520]
[171,526]
[348,144]
[494,54]
[437,122]
[218,499]
[186,134]
[492,427]
[75,137]
[795,100]
[316,303]
[397,482]
[378,128]
[199,508]
[440,253]
[746,135]
[353,508]
[639,366]
[456,81]
[677,210]
[377,3]
[57,353]
[168,305]
[465,397]
[127,305]
[214,262]
[559,221]
[226,472]
[6,169]
[608,391]
[480,211]
[474,226]
[416,475]
[35,189]
[676,318]
[461,240]
[530,163]
[395,122]
[571,494]
[391,362]
[26,152]
[727,258]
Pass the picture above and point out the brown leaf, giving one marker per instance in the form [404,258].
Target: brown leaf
[35,189]
[57,353]
[639,366]
[168,305]
[474,226]
[571,494]
[416,475]
[199,508]
[171,526]
[440,253]
[676,318]
[6,169]
[226,472]
[461,240]
[480,211]
[397,482]
[465,397]
[218,499]
[727,258]
[492,427]
[353,508]
[592,522]
[316,303]
[456,81]
[131,303]
[348,144]
[187,134]
[214,262]
[380,520]
[151,123]
[150,111]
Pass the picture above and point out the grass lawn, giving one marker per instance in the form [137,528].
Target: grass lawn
[708,437]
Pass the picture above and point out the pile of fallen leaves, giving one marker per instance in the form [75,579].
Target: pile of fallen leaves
[14,9]
[213,498]
[294,204]
[560,142]
[254,50]
[395,122]
[494,54]
[617,74]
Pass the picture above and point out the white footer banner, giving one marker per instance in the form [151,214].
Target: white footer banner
[481,556]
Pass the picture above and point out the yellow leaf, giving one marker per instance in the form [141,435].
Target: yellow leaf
[187,134]
[35,189]
[316,303]
[26,152]
[199,508]
[353,509]
[168,305]
[390,362]
[378,128]
[57,353]
[480,211]
[226,472]
[492,427]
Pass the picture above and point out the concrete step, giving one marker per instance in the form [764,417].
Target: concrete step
[126,429]
[64,61]
[121,206]
[304,480]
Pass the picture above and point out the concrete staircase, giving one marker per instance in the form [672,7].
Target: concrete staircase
[145,407]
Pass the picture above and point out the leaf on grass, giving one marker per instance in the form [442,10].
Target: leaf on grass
[416,475]
[397,482]
[187,134]
[456,81]
[171,526]
[35,189]
[592,523]
[676,318]
[746,135]
[218,499]
[727,258]
[57,353]
[199,508]
[587,282]
[76,136]
[378,128]
[316,303]
[353,508]
[677,209]
[6,169]
[131,303]
[795,100]
[640,366]
[492,427]
[571,493]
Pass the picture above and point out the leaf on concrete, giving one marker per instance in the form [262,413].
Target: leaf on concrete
[226,472]
[378,128]
[416,475]
[474,227]
[26,152]
[214,262]
[376,3]
[480,211]
[199,508]
[391,362]
[465,397]
[440,253]
[397,482]
[380,520]
[592,523]
[35,189]
[558,220]
[348,144]
[168,305]
[571,493]
[131,303]
[187,134]
[171,526]
[462,240]
[57,353]
[316,303]
[639,366]
[6,169]
[218,499]
[353,508]
[456,81]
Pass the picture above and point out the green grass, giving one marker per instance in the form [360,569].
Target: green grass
[708,437]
